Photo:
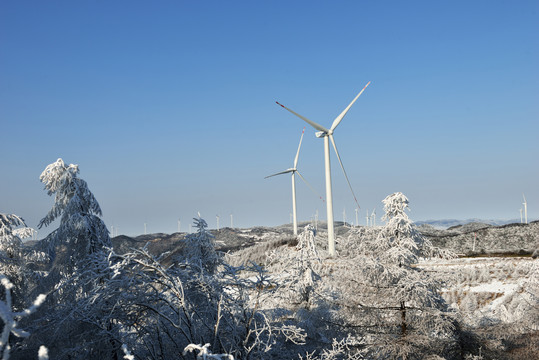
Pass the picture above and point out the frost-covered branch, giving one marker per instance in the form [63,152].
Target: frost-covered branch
[11,318]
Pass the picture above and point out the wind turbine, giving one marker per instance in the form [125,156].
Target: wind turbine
[357,222]
[217,216]
[327,134]
[293,170]
[373,217]
[525,203]
[521,215]
[367,217]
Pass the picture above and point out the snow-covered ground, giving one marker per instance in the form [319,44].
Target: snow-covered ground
[488,289]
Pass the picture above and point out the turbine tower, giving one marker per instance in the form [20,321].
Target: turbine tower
[357,222]
[525,203]
[521,216]
[327,134]
[217,216]
[373,217]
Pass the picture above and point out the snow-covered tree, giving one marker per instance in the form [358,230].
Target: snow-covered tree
[14,258]
[81,231]
[297,269]
[80,241]
[390,307]
[199,250]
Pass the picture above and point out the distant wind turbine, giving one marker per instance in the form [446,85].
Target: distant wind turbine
[217,216]
[231,221]
[373,217]
[525,203]
[327,134]
[357,222]
[521,215]
[367,217]
[293,170]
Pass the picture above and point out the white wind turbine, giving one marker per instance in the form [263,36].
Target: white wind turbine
[293,170]
[327,134]
[525,203]
[373,217]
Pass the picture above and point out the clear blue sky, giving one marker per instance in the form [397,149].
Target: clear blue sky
[168,107]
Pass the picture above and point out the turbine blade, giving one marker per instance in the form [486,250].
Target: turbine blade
[310,187]
[339,118]
[280,173]
[524,197]
[342,167]
[299,147]
[312,123]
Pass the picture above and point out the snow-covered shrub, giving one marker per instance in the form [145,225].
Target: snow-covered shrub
[156,311]
[15,259]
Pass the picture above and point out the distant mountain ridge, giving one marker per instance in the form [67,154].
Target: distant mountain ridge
[447,223]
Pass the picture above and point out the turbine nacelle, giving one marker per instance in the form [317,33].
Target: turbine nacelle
[321,134]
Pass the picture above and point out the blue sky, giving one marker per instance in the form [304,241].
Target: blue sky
[168,107]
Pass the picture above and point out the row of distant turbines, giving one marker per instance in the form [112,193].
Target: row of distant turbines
[370,218]
[327,135]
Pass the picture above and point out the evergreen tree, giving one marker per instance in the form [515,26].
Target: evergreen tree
[81,231]
[392,308]
[199,250]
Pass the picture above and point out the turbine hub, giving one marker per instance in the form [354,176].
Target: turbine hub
[321,134]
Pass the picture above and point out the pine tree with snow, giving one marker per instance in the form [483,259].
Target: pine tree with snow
[81,231]
[80,241]
[199,250]
[392,307]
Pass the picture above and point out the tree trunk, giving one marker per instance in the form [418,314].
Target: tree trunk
[403,319]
